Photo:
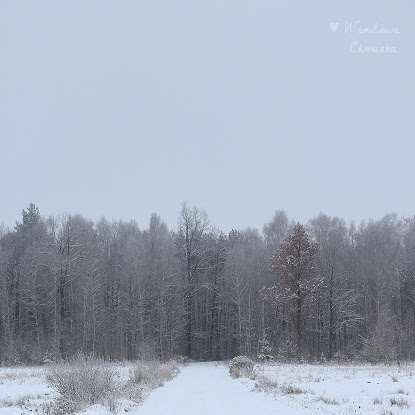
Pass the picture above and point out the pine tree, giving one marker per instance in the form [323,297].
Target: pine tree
[30,217]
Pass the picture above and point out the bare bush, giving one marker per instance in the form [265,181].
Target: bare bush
[81,381]
[142,373]
[242,366]
[87,380]
[153,374]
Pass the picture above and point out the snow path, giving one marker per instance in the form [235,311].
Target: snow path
[207,389]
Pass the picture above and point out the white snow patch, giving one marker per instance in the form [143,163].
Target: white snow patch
[207,388]
[333,389]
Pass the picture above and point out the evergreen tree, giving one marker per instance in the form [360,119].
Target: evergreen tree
[30,217]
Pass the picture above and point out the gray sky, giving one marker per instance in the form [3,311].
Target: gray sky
[124,108]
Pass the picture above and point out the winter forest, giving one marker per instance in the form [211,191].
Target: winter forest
[321,290]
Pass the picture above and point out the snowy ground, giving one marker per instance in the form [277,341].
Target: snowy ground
[22,388]
[332,389]
[207,388]
[25,390]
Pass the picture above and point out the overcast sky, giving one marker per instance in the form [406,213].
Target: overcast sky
[124,108]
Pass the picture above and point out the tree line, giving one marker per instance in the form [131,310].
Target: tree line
[317,291]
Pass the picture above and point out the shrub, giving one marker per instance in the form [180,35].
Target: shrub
[81,381]
[153,374]
[142,373]
[241,366]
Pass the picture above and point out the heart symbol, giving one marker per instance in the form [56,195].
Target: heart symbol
[334,26]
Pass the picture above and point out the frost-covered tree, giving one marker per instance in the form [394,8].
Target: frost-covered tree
[297,279]
[68,284]
[161,287]
[265,349]
[338,302]
[277,230]
[193,224]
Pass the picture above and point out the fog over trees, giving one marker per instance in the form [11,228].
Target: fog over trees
[313,291]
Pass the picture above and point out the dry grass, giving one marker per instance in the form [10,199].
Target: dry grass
[242,366]
[394,378]
[21,401]
[377,401]
[289,389]
[328,400]
[400,402]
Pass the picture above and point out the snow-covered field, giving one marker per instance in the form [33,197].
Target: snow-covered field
[207,388]
[25,390]
[22,389]
[333,389]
